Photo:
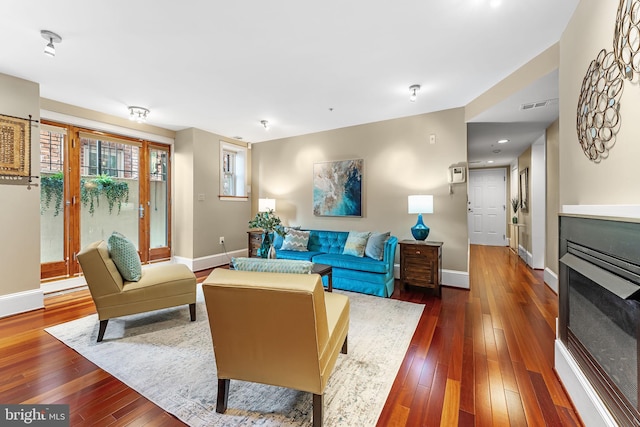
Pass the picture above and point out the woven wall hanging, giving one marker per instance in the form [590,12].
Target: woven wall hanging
[15,146]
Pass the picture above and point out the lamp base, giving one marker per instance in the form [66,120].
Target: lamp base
[420,231]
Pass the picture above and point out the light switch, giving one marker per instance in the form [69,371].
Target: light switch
[201,197]
[432,138]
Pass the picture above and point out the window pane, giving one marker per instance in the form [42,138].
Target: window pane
[109,190]
[158,195]
[51,196]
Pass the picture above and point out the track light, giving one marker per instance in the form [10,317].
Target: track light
[50,49]
[413,91]
[139,114]
[265,124]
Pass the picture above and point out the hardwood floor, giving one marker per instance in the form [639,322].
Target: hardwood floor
[482,357]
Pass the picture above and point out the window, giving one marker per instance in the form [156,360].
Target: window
[233,170]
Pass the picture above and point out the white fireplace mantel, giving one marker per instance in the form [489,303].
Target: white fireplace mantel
[617,211]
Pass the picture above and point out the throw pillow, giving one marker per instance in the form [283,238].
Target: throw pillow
[124,254]
[272,265]
[356,243]
[375,245]
[277,241]
[296,240]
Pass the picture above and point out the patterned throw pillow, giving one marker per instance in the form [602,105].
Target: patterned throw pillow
[356,243]
[272,265]
[375,245]
[125,256]
[296,240]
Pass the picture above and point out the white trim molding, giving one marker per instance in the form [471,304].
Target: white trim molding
[21,302]
[590,407]
[551,279]
[456,279]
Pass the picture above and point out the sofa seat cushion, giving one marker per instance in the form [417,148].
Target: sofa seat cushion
[297,255]
[351,262]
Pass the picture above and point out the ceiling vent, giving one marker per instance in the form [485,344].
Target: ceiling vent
[538,104]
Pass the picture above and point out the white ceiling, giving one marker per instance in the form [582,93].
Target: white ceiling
[305,67]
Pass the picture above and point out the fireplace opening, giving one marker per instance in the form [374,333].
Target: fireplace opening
[599,320]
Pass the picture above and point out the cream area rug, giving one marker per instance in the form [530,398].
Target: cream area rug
[170,361]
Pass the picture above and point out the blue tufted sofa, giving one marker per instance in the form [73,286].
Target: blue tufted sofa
[350,273]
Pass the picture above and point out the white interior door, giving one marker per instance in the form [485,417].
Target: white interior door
[487,209]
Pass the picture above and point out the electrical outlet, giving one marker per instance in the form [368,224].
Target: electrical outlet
[222,240]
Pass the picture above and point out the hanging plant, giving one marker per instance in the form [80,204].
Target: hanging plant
[51,189]
[116,192]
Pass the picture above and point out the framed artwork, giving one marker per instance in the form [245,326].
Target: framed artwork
[15,145]
[524,190]
[337,188]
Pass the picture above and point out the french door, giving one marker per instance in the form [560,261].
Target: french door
[93,184]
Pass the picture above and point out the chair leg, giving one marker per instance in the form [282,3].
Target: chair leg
[223,395]
[102,329]
[344,345]
[318,404]
[192,311]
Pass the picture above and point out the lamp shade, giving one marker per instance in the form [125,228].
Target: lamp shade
[420,204]
[265,205]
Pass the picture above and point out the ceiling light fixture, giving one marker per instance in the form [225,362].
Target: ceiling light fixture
[413,90]
[139,114]
[50,49]
[503,141]
[265,124]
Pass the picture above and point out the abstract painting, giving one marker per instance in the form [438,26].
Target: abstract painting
[337,188]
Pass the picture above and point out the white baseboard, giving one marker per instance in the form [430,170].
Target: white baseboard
[21,302]
[551,279]
[210,261]
[591,409]
[457,279]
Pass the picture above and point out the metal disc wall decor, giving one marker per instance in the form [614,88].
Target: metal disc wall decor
[626,38]
[598,114]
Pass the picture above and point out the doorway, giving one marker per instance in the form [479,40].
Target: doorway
[486,207]
[93,184]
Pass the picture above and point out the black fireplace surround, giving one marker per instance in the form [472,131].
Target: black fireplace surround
[599,312]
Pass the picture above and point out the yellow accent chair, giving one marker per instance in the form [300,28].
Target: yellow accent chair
[275,328]
[161,286]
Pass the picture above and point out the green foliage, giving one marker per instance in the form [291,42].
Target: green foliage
[51,188]
[114,191]
[515,204]
[269,222]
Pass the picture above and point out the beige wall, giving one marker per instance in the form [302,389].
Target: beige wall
[524,162]
[553,198]
[398,161]
[19,207]
[538,67]
[612,181]
[200,223]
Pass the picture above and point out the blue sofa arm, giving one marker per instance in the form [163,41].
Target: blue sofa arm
[390,253]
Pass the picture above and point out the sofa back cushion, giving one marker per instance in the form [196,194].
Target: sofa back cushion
[331,242]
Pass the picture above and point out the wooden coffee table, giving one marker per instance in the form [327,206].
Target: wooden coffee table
[324,270]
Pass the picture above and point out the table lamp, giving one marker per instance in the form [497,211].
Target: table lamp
[266,205]
[420,204]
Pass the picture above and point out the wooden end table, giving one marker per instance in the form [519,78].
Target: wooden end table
[324,270]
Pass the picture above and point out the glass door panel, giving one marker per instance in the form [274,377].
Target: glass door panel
[158,194]
[109,189]
[53,252]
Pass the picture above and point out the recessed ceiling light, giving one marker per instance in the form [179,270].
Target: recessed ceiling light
[490,161]
[503,141]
